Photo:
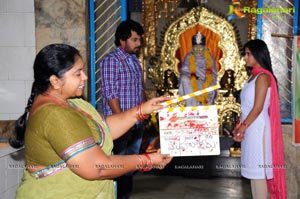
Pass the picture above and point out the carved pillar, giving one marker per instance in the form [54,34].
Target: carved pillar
[252,21]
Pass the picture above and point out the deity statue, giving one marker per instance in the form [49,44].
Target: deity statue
[198,72]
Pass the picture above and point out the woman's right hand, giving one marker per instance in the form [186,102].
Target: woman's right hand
[159,160]
[154,104]
[237,134]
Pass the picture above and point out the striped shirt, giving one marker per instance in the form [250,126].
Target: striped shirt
[121,78]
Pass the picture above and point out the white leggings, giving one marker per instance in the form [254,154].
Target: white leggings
[259,189]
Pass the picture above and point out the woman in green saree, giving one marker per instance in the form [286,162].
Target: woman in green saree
[68,144]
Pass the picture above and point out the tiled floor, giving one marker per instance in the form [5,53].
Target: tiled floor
[151,186]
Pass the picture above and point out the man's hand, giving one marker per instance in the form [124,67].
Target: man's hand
[115,106]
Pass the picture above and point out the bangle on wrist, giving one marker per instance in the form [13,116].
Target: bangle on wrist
[139,114]
[238,123]
[245,124]
[141,165]
[148,165]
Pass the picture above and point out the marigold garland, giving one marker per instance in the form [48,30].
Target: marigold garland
[208,76]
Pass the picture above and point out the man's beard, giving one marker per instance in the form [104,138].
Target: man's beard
[137,51]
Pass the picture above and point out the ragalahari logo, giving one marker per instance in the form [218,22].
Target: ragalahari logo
[237,11]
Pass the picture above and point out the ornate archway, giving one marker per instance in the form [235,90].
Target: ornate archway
[201,16]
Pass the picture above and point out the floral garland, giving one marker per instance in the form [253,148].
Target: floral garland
[208,76]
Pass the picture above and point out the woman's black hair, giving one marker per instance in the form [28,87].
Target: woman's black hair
[124,29]
[54,59]
[260,52]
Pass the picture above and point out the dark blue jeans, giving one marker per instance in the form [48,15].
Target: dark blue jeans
[128,144]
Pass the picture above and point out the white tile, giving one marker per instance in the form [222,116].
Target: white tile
[12,29]
[21,161]
[16,115]
[4,73]
[20,5]
[12,167]
[2,175]
[4,116]
[29,29]
[17,62]
[3,6]
[2,195]
[17,53]
[11,192]
[12,96]
[23,74]
[28,86]
[15,166]
[7,60]
[20,175]
[10,116]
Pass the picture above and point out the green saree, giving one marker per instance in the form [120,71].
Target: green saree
[53,135]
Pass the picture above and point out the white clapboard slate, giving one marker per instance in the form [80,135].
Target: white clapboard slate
[189,131]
